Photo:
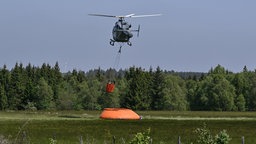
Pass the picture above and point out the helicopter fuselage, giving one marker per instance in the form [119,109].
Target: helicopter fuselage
[121,32]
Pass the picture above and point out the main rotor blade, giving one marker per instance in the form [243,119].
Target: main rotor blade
[135,16]
[126,16]
[102,15]
[130,15]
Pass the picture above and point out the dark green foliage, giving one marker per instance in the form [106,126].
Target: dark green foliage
[138,89]
[46,87]
[215,92]
[66,96]
[251,98]
[44,95]
[3,98]
[240,103]
[16,88]
[174,94]
[4,82]
[191,87]
[157,87]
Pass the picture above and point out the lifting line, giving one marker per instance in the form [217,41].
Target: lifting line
[118,56]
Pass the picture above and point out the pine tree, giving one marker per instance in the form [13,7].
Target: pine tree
[157,86]
[56,77]
[138,90]
[4,83]
[3,98]
[16,88]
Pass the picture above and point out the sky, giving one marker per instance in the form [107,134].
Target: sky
[190,36]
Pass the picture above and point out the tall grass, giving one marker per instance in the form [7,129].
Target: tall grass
[69,127]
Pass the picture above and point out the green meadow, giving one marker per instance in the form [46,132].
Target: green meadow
[68,127]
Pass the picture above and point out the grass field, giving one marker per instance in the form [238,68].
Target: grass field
[69,126]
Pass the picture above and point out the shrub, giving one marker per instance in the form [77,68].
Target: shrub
[142,138]
[3,140]
[205,137]
[222,138]
[52,141]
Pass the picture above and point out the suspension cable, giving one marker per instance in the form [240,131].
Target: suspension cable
[118,57]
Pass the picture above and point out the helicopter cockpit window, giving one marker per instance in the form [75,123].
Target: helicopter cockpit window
[126,25]
[118,24]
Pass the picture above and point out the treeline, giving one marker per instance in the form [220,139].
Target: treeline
[46,88]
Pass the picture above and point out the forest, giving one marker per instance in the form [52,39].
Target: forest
[47,88]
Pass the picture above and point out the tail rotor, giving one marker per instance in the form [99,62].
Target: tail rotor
[138,31]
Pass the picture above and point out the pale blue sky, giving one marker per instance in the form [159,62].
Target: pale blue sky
[191,35]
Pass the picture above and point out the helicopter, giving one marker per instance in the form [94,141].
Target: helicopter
[122,30]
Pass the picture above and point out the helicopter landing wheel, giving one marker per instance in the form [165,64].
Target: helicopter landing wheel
[129,43]
[112,42]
